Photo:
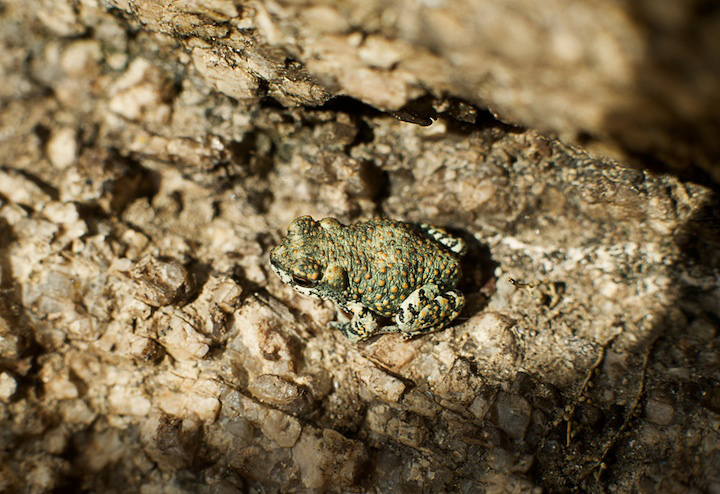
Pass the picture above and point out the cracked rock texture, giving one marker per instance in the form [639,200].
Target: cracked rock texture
[152,153]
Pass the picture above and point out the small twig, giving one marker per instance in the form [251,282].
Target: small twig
[555,295]
[600,463]
[524,284]
[571,410]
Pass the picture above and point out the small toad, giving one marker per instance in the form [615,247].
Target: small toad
[374,269]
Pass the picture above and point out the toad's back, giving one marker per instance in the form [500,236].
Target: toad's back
[386,260]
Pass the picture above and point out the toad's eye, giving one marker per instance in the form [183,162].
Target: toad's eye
[302,281]
[306,273]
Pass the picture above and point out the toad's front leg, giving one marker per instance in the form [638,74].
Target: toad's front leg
[427,309]
[362,326]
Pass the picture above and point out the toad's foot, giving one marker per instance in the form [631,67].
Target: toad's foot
[427,309]
[450,241]
[362,326]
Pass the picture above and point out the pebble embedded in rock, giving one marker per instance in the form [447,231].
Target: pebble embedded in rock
[328,458]
[62,148]
[275,389]
[8,385]
[480,405]
[512,414]
[386,387]
[163,281]
[590,415]
[659,409]
[491,333]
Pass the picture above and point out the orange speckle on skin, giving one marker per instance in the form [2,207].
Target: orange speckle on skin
[369,254]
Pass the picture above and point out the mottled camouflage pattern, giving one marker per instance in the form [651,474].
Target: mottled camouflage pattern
[374,268]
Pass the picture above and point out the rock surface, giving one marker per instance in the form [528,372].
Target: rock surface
[153,153]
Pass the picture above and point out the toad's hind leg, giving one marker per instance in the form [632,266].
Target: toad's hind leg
[427,309]
[452,242]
